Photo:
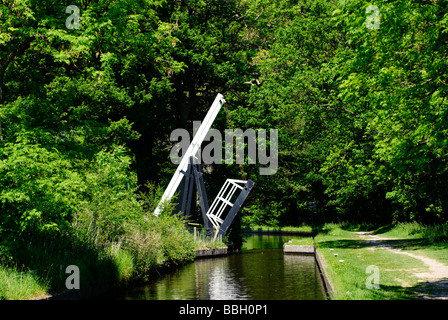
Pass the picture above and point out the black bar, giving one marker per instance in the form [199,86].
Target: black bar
[184,196]
[202,195]
[190,189]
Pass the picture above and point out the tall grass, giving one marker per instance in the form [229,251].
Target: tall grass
[19,285]
[204,241]
[158,242]
[111,244]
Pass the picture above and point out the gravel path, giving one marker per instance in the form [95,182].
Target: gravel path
[435,278]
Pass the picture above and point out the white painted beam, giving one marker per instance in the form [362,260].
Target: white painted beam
[191,151]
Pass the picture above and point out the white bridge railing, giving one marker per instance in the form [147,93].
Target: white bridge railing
[222,200]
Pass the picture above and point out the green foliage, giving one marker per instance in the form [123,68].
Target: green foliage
[395,74]
[40,191]
[86,114]
[297,96]
[360,110]
[19,285]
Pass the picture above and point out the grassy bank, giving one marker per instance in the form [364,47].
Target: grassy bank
[350,273]
[139,255]
[61,210]
[432,241]
[158,243]
[19,285]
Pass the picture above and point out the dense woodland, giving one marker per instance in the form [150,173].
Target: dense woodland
[86,113]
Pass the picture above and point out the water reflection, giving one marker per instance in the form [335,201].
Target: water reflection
[223,283]
[256,241]
[256,274]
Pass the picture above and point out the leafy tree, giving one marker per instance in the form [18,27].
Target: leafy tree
[297,94]
[396,75]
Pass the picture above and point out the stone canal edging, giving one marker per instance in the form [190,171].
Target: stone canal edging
[204,253]
[329,289]
[311,250]
[299,249]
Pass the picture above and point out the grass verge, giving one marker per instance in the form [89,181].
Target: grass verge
[351,261]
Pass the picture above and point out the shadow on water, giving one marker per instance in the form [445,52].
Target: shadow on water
[265,241]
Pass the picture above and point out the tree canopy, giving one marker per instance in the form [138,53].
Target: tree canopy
[86,112]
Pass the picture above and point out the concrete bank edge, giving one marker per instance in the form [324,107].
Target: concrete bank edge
[204,253]
[329,288]
[320,261]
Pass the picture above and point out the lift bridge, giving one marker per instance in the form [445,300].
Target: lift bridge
[219,216]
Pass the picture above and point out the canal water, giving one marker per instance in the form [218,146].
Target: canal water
[261,271]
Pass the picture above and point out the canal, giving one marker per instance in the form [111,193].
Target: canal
[260,271]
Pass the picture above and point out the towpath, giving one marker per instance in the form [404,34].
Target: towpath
[434,280]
